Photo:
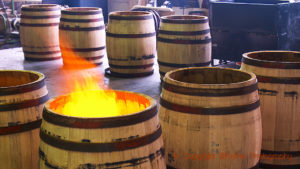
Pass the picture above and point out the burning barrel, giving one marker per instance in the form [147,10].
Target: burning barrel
[83,137]
[82,36]
[131,43]
[183,41]
[22,97]
[210,118]
[278,74]
[39,32]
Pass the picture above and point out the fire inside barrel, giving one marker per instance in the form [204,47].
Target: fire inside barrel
[99,103]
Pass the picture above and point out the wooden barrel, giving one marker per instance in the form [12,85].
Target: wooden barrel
[278,75]
[39,32]
[22,97]
[131,43]
[183,41]
[82,36]
[128,141]
[210,119]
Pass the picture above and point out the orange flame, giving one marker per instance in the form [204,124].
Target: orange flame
[89,99]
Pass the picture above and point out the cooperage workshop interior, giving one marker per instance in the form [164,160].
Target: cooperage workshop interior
[149,84]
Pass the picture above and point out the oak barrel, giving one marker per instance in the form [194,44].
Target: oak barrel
[22,97]
[131,43]
[278,74]
[127,141]
[82,36]
[183,41]
[210,118]
[39,32]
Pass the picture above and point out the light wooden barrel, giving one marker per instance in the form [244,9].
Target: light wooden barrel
[82,36]
[278,74]
[210,119]
[131,43]
[39,32]
[129,141]
[183,41]
[22,97]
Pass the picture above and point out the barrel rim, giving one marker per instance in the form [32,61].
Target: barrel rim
[130,15]
[184,19]
[248,82]
[269,63]
[152,105]
[82,9]
[41,77]
[40,7]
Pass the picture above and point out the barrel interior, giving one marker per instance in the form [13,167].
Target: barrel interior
[120,96]
[82,9]
[130,13]
[210,76]
[14,78]
[185,17]
[275,56]
[41,6]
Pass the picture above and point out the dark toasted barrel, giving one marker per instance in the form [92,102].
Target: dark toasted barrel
[39,32]
[129,141]
[131,43]
[210,118]
[82,36]
[183,41]
[22,97]
[278,74]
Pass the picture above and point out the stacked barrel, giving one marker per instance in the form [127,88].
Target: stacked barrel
[183,41]
[210,118]
[78,35]
[39,32]
[127,141]
[131,43]
[278,75]
[82,36]
[22,98]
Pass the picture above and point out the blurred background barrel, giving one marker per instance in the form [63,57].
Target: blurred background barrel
[128,141]
[210,118]
[183,41]
[39,32]
[82,36]
[278,74]
[131,43]
[22,98]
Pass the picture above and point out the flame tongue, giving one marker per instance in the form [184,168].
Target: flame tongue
[90,100]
